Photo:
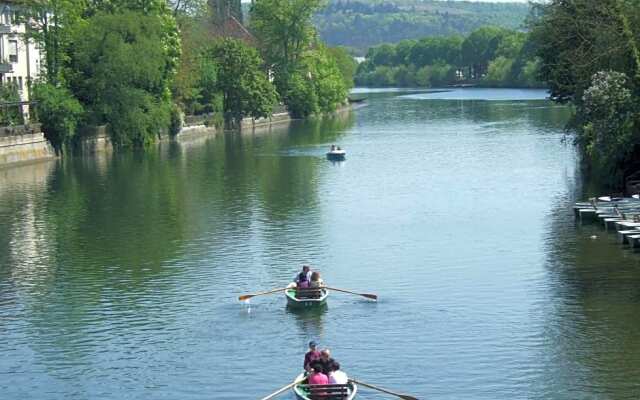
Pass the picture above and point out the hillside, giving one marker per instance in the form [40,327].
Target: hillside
[364,23]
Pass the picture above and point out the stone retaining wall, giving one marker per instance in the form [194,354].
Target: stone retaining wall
[24,143]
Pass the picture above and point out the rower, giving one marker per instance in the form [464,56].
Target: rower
[313,355]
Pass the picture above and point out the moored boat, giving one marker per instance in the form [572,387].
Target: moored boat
[305,297]
[304,391]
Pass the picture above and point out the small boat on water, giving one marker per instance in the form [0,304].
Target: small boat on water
[336,153]
[304,391]
[305,297]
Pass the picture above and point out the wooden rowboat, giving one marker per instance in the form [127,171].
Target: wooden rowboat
[304,391]
[305,298]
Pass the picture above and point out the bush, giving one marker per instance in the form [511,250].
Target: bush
[59,112]
[609,136]
[301,97]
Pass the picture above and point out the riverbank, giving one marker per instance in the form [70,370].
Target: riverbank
[24,145]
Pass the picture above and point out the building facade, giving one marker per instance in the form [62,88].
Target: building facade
[20,57]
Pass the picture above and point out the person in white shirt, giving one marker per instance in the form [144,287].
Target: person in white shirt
[337,377]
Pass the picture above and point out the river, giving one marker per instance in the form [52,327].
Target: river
[119,274]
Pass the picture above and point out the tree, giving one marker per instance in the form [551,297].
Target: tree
[345,63]
[317,85]
[609,135]
[577,38]
[51,24]
[479,48]
[285,31]
[59,113]
[122,75]
[246,90]
[589,56]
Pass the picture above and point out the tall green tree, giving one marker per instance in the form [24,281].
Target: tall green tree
[51,23]
[121,74]
[285,31]
[345,63]
[245,88]
[589,56]
[577,38]
[479,48]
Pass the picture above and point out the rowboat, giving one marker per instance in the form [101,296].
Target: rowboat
[304,298]
[304,391]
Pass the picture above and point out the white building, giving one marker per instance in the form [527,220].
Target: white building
[20,58]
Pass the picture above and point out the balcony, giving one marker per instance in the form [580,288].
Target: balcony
[5,67]
[5,29]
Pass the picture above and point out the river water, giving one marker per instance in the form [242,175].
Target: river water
[119,275]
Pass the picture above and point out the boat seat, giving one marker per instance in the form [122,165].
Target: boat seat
[327,392]
[308,293]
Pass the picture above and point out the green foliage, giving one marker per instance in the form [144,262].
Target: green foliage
[480,47]
[588,55]
[310,78]
[10,115]
[301,97]
[345,63]
[317,85]
[59,112]
[609,134]
[285,32]
[489,56]
[195,87]
[575,39]
[246,90]
[361,24]
[51,24]
[499,71]
[122,76]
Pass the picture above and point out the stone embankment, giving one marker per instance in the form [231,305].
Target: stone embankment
[23,143]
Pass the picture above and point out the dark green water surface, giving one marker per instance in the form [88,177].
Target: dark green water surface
[119,274]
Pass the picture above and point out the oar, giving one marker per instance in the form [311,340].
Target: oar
[283,389]
[402,396]
[248,296]
[367,295]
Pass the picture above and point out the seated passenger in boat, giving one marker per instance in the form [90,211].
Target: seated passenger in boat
[317,375]
[316,280]
[337,377]
[303,283]
[333,147]
[326,360]
[304,274]
[312,356]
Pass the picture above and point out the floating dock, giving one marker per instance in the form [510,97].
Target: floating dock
[616,214]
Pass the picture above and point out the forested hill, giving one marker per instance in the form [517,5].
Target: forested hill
[364,23]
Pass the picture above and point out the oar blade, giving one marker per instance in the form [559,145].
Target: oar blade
[405,397]
[370,296]
[245,297]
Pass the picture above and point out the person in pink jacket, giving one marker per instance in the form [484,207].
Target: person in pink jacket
[317,375]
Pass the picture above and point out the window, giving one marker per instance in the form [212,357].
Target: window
[13,51]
